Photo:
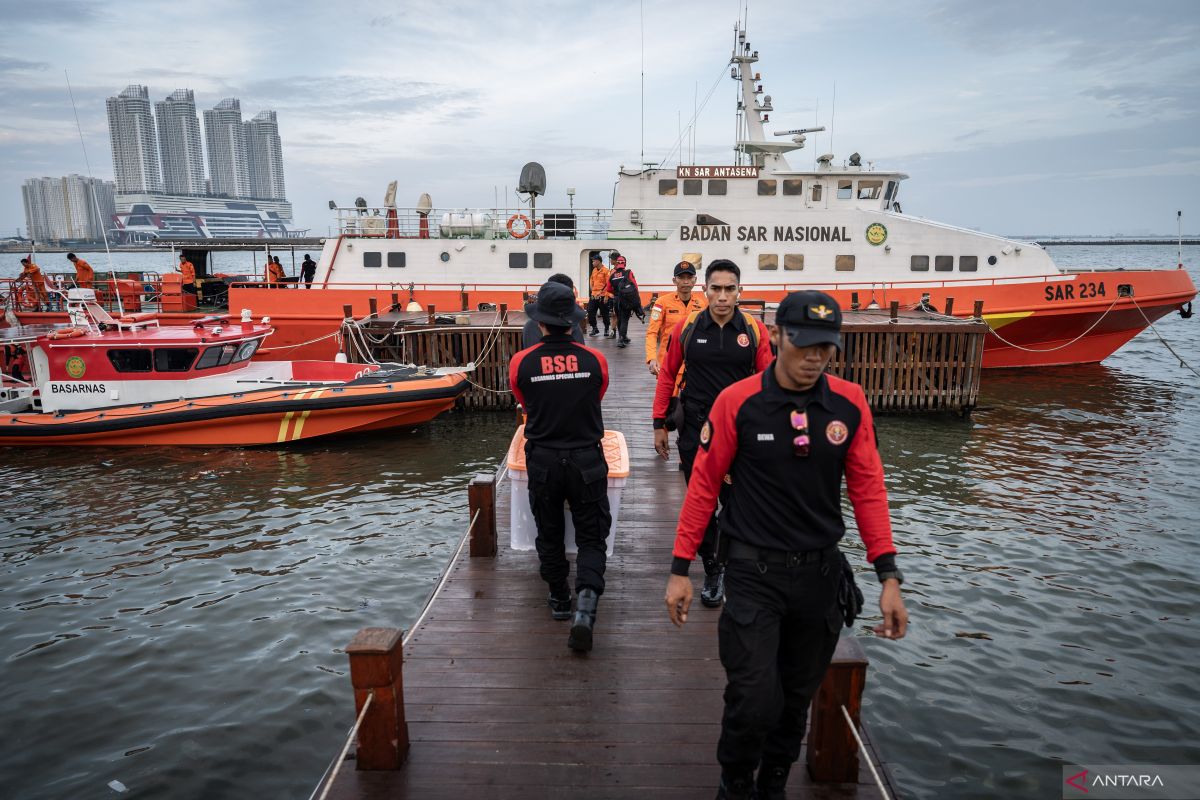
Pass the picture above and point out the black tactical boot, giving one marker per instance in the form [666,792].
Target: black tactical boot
[585,619]
[713,593]
[560,602]
[739,788]
[772,781]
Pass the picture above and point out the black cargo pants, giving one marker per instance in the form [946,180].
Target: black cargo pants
[579,478]
[688,444]
[776,636]
[598,304]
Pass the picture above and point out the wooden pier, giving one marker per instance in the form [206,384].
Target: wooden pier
[906,361]
[491,703]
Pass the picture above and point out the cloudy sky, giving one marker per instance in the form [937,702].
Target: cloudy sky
[1023,118]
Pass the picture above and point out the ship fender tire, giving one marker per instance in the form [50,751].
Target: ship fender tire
[512,221]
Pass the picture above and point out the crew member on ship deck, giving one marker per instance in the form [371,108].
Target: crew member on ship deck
[275,274]
[599,299]
[669,310]
[188,270]
[32,274]
[85,276]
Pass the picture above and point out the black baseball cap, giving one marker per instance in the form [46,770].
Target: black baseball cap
[555,306]
[685,268]
[597,257]
[810,318]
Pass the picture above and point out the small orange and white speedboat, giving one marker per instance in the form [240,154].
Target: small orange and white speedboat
[107,380]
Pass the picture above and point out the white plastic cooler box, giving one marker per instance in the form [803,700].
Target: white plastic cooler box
[521,526]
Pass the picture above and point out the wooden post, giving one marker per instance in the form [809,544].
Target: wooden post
[949,306]
[504,313]
[432,310]
[466,300]
[373,305]
[978,313]
[481,497]
[395,302]
[832,753]
[376,663]
[347,312]
[895,310]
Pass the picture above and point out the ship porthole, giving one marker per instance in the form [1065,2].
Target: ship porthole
[992,260]
[445,256]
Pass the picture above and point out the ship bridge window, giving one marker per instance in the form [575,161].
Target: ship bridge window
[943,263]
[217,356]
[543,260]
[768,261]
[372,259]
[919,263]
[692,186]
[889,195]
[869,190]
[396,261]
[843,263]
[816,193]
[518,260]
[668,187]
[766,188]
[793,186]
[130,360]
[845,190]
[968,263]
[174,359]
[718,186]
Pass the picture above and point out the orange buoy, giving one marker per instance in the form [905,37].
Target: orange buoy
[527,226]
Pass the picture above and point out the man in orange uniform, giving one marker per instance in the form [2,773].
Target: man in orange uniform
[32,273]
[85,276]
[600,299]
[274,272]
[188,270]
[669,311]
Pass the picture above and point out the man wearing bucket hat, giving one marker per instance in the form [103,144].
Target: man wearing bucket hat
[561,383]
[786,438]
[531,334]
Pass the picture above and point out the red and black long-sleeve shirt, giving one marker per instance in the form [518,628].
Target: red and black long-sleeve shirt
[560,383]
[777,499]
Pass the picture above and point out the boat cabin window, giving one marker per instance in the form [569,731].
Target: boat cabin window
[816,193]
[793,261]
[968,263]
[793,186]
[217,356]
[943,263]
[843,263]
[668,187]
[518,260]
[845,190]
[174,359]
[889,195]
[396,261]
[869,190]
[543,260]
[766,188]
[372,259]
[130,360]
[692,185]
[718,186]
[768,261]
[919,263]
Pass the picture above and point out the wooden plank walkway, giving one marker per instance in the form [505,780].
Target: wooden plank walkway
[498,707]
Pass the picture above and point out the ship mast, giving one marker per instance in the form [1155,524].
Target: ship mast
[752,113]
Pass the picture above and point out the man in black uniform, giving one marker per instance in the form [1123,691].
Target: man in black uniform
[531,333]
[785,438]
[561,383]
[718,346]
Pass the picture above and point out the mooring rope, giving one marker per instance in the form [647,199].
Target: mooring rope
[863,749]
[1100,319]
[1150,324]
[341,757]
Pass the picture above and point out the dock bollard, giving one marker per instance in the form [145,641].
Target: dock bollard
[894,310]
[377,662]
[832,753]
[978,312]
[481,497]
[432,313]
[373,305]
[949,306]
[504,313]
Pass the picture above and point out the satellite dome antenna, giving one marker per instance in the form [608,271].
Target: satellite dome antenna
[532,183]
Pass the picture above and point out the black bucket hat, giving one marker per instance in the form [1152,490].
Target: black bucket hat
[555,306]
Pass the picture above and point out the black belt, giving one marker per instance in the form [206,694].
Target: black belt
[766,555]
[591,448]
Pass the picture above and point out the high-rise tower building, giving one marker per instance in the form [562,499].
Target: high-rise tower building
[265,156]
[131,131]
[179,143]
[59,209]
[226,141]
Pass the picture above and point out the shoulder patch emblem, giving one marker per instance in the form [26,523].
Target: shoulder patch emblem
[836,432]
[743,340]
[706,433]
[656,313]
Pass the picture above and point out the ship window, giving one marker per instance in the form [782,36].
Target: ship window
[793,186]
[845,190]
[816,193]
[718,186]
[246,350]
[843,263]
[766,188]
[869,190]
[968,263]
[793,261]
[692,185]
[372,259]
[518,260]
[130,360]
[943,263]
[174,359]
[919,263]
[668,187]
[217,356]
[768,261]
[890,193]
[543,260]
[396,261]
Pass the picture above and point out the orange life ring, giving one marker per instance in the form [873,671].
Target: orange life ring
[65,333]
[528,226]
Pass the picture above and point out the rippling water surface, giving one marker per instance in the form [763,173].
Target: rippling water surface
[173,618]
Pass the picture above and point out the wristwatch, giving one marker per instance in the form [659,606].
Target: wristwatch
[894,573]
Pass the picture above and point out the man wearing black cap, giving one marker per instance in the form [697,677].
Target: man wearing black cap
[669,310]
[531,334]
[561,383]
[785,439]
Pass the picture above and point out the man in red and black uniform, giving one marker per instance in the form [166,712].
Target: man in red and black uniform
[718,347]
[785,438]
[561,383]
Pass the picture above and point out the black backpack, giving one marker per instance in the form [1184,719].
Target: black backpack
[625,289]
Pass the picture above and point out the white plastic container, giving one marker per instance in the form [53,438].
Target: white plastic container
[521,525]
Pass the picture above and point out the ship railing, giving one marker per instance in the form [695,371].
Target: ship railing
[115,292]
[509,223]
